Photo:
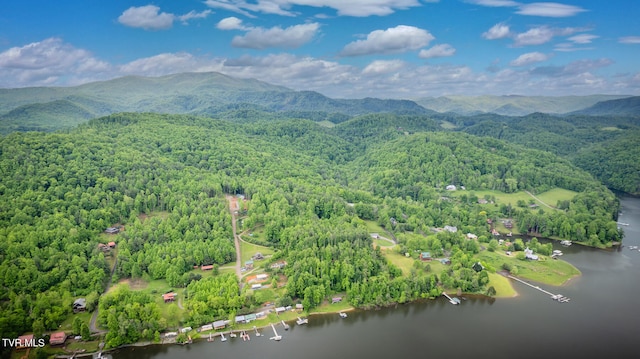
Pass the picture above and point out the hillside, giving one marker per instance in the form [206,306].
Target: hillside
[629,106]
[186,93]
[511,105]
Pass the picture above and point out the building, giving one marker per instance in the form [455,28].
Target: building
[79,305]
[57,338]
[336,300]
[111,244]
[450,187]
[508,224]
[25,341]
[257,256]
[248,264]
[207,267]
[206,327]
[425,256]
[528,254]
[219,324]
[471,236]
[103,247]
[112,230]
[239,319]
[256,286]
[452,229]
[280,310]
[186,329]
[262,276]
[169,297]
[248,318]
[446,261]
[278,265]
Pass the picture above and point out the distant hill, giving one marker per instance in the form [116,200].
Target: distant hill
[625,106]
[50,108]
[512,105]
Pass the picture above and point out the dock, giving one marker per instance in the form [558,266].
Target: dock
[301,321]
[559,297]
[285,325]
[275,336]
[453,301]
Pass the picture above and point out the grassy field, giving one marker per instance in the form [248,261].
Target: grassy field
[547,271]
[501,284]
[249,249]
[400,261]
[447,125]
[67,325]
[374,227]
[382,243]
[557,194]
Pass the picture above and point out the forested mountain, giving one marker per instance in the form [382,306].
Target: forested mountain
[512,105]
[309,188]
[629,106]
[46,109]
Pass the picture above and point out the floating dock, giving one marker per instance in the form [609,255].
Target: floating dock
[285,325]
[559,297]
[454,301]
[275,336]
[301,321]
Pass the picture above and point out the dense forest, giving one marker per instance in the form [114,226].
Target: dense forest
[310,189]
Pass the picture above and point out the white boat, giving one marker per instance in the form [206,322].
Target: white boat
[233,335]
[342,315]
[565,243]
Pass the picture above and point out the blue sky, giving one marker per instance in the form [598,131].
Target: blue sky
[341,48]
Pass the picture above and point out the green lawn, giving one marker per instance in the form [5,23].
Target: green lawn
[501,197]
[552,197]
[501,284]
[400,261]
[547,271]
[382,243]
[67,325]
[374,227]
[249,249]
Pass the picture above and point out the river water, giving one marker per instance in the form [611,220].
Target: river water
[602,319]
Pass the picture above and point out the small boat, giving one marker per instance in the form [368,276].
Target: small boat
[343,315]
[565,243]
[301,321]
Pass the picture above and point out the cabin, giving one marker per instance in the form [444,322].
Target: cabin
[207,267]
[79,305]
[219,324]
[425,256]
[25,341]
[452,229]
[112,230]
[336,300]
[57,338]
[169,297]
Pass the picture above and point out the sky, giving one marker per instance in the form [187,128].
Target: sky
[340,48]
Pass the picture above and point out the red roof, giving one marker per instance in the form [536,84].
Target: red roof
[209,267]
[112,244]
[23,339]
[169,296]
[57,338]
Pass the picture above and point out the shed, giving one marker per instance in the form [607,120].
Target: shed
[256,286]
[57,338]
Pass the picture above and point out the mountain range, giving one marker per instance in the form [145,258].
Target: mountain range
[214,94]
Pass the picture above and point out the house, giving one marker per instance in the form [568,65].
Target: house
[478,267]
[169,297]
[261,315]
[445,261]
[248,264]
[207,267]
[528,254]
[262,276]
[103,247]
[425,256]
[452,229]
[508,224]
[57,338]
[280,310]
[186,329]
[206,327]
[249,318]
[450,187]
[112,230]
[25,341]
[299,306]
[257,256]
[336,300]
[239,319]
[256,286]
[471,236]
[79,305]
[111,244]
[278,265]
[219,324]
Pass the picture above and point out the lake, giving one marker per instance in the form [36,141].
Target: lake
[602,319]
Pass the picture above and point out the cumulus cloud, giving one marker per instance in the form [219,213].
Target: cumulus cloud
[397,39]
[442,50]
[149,17]
[231,23]
[549,9]
[290,37]
[497,31]
[383,67]
[529,58]
[48,62]
[359,8]
[629,40]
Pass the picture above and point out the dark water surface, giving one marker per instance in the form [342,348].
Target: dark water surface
[601,320]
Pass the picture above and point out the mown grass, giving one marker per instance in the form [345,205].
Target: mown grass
[552,197]
[249,249]
[548,271]
[374,227]
[501,284]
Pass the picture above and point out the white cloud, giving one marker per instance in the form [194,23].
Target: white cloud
[494,3]
[442,50]
[231,23]
[49,62]
[290,37]
[383,67]
[549,9]
[497,31]
[534,36]
[359,8]
[629,40]
[529,58]
[583,38]
[397,39]
[149,17]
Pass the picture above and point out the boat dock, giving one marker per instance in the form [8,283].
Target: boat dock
[285,325]
[275,336]
[301,321]
[453,301]
[559,297]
